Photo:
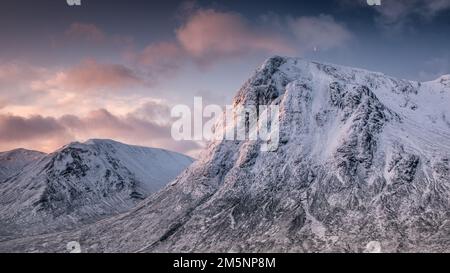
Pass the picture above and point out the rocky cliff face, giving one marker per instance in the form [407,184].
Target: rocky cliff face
[363,161]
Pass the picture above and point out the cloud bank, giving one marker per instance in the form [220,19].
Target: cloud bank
[91,76]
[49,133]
[211,34]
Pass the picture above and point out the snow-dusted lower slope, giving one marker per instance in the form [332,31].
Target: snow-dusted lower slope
[14,161]
[81,183]
[363,162]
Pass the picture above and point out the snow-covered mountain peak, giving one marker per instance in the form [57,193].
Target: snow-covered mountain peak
[82,182]
[402,97]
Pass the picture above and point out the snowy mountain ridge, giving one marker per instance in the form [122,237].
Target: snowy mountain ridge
[83,182]
[364,160]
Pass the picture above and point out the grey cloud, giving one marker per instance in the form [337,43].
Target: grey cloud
[48,133]
[17,128]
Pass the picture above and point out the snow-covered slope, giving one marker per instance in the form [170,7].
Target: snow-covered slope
[14,161]
[363,163]
[81,183]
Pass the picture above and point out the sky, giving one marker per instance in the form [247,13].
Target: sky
[114,68]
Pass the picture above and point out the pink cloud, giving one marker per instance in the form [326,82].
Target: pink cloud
[144,126]
[147,125]
[15,78]
[11,72]
[159,53]
[20,128]
[208,36]
[27,90]
[32,132]
[91,76]
[212,34]
[158,59]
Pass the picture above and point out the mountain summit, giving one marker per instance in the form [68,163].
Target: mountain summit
[363,161]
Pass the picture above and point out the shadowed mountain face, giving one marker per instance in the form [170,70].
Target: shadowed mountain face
[81,183]
[363,163]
